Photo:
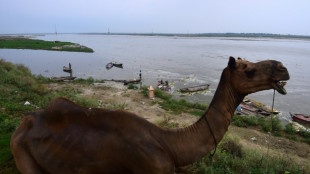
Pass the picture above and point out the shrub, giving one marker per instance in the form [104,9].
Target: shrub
[144,91]
[131,86]
[251,161]
[251,120]
[306,140]
[162,94]
[115,106]
[268,125]
[198,113]
[245,121]
[304,133]
[289,129]
[233,148]
[7,125]
[238,121]
[166,123]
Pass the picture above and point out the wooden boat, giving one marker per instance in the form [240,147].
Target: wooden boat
[301,117]
[65,78]
[67,69]
[247,109]
[132,81]
[116,64]
[195,88]
[164,86]
[109,66]
[260,105]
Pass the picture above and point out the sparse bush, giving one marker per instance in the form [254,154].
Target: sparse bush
[90,80]
[251,161]
[114,106]
[131,86]
[306,140]
[238,121]
[294,138]
[244,121]
[251,120]
[304,133]
[269,125]
[8,125]
[198,113]
[289,129]
[232,147]
[167,123]
[162,94]
[144,91]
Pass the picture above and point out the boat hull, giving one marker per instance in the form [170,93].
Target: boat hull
[301,117]
[195,88]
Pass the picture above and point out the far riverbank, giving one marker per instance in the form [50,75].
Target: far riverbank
[21,42]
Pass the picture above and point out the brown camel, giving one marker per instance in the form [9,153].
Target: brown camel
[67,138]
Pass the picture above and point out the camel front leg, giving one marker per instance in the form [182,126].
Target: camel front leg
[24,161]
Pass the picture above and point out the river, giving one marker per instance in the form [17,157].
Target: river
[183,61]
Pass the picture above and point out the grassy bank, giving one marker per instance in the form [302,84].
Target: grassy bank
[18,85]
[176,106]
[234,158]
[26,43]
[231,156]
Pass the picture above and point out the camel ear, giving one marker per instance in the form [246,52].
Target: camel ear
[232,63]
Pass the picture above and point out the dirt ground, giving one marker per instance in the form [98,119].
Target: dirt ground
[112,93]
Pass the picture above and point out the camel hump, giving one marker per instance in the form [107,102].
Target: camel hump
[63,109]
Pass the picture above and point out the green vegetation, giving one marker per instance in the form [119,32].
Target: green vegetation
[275,127]
[265,124]
[18,85]
[131,86]
[176,106]
[167,123]
[25,43]
[232,158]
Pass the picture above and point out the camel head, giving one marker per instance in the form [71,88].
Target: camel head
[247,77]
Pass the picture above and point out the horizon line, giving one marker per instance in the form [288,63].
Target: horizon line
[224,34]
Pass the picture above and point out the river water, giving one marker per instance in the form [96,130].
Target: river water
[183,61]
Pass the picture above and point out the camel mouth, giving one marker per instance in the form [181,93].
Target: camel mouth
[279,86]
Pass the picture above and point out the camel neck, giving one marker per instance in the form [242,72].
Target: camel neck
[225,99]
[192,143]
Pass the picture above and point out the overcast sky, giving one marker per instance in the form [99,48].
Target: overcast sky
[158,16]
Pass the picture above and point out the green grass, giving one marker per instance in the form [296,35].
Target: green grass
[7,164]
[18,85]
[232,158]
[25,43]
[116,106]
[265,125]
[131,86]
[290,129]
[176,106]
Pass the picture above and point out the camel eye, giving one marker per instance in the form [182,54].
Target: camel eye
[250,73]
